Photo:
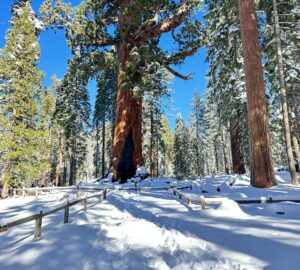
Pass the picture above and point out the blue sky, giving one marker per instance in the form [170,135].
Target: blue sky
[55,53]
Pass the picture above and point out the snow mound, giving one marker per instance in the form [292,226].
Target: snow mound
[142,172]
[110,177]
[231,209]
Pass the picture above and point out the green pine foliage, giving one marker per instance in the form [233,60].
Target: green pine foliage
[198,133]
[72,115]
[182,153]
[23,136]
[155,86]
[104,114]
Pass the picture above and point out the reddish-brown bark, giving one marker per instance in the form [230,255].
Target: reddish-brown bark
[5,190]
[128,118]
[262,172]
[237,156]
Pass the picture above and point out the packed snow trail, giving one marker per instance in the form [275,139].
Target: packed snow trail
[153,230]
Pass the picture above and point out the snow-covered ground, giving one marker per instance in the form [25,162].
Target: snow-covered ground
[155,230]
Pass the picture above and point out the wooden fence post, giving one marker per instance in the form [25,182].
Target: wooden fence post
[66,215]
[15,193]
[85,203]
[104,194]
[23,192]
[174,192]
[202,200]
[38,225]
[180,196]
[36,192]
[77,192]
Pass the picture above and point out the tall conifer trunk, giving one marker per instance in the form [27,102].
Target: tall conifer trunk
[152,155]
[59,164]
[103,147]
[5,190]
[262,172]
[237,156]
[226,167]
[284,103]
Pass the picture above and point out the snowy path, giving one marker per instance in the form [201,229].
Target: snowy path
[153,230]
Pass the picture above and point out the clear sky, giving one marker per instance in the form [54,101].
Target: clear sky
[55,53]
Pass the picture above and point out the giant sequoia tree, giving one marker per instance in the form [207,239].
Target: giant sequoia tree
[134,28]
[262,172]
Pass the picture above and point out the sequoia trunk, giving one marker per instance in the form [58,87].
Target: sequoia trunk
[127,146]
[262,172]
[237,156]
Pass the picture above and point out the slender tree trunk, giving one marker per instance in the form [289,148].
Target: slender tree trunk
[157,160]
[216,157]
[152,147]
[237,156]
[297,150]
[97,151]
[59,164]
[224,154]
[72,176]
[103,147]
[262,171]
[198,169]
[295,132]
[287,131]
[5,190]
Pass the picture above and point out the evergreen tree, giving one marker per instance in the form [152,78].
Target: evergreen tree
[72,112]
[282,69]
[23,138]
[182,154]
[166,163]
[226,78]
[155,86]
[104,112]
[199,126]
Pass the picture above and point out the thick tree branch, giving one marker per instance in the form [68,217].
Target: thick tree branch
[149,23]
[163,27]
[175,57]
[174,72]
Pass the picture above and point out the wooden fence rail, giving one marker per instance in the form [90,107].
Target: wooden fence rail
[204,201]
[39,216]
[36,191]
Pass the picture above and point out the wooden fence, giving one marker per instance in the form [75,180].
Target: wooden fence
[36,191]
[38,217]
[204,201]
[101,194]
